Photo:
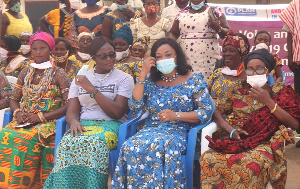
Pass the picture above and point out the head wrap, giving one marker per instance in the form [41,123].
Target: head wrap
[25,33]
[91,35]
[143,41]
[42,36]
[263,55]
[124,33]
[232,39]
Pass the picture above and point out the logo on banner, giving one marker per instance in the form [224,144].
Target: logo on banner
[231,11]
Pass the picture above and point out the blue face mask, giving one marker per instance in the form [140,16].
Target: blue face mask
[90,2]
[121,7]
[166,66]
[197,7]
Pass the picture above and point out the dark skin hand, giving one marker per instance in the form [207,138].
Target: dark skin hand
[60,79]
[215,24]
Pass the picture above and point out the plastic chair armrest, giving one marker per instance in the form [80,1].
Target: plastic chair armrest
[7,118]
[60,130]
[209,130]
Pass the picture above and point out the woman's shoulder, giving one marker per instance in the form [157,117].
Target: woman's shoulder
[277,86]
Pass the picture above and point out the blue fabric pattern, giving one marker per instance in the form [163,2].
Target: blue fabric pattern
[152,157]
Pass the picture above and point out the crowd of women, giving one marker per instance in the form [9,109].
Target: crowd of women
[98,64]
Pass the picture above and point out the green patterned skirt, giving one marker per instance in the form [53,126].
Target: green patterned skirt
[82,162]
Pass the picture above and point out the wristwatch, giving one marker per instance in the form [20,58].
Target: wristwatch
[92,95]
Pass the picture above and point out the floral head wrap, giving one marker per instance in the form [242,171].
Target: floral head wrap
[124,33]
[232,39]
[91,35]
[143,41]
[43,36]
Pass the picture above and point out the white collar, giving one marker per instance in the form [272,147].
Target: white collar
[43,65]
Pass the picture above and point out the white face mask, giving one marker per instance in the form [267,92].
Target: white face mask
[84,56]
[228,71]
[121,55]
[3,54]
[257,80]
[25,49]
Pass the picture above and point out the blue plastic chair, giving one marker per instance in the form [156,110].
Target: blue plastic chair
[130,128]
[62,127]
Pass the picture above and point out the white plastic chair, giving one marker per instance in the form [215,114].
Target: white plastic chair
[208,130]
[12,80]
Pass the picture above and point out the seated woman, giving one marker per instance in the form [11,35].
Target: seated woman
[234,51]
[25,47]
[82,55]
[139,47]
[177,99]
[63,49]
[5,91]
[123,40]
[12,62]
[97,104]
[253,155]
[38,99]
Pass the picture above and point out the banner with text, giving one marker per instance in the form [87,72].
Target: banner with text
[250,19]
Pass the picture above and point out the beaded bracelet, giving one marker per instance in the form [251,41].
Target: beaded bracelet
[231,134]
[138,81]
[16,111]
[41,116]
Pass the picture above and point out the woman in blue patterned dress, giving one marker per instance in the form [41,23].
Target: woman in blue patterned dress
[177,99]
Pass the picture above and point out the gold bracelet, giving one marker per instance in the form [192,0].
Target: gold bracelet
[274,109]
[41,116]
[16,111]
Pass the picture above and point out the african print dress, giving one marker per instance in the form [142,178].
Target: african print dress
[132,68]
[198,41]
[90,22]
[82,162]
[27,153]
[258,158]
[152,157]
[117,23]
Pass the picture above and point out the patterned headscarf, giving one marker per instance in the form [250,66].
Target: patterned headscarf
[232,39]
[124,33]
[263,55]
[91,35]
[43,36]
[143,41]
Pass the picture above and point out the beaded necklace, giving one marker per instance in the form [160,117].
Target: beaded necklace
[169,79]
[34,94]
[102,79]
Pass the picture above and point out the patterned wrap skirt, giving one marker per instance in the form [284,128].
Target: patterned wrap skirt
[82,162]
[24,161]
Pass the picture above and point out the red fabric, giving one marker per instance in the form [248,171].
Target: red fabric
[261,125]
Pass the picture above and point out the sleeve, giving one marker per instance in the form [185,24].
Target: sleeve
[203,101]
[277,60]
[212,78]
[134,27]
[110,16]
[217,10]
[164,12]
[74,90]
[53,17]
[138,105]
[126,86]
[287,16]
[167,24]
[136,68]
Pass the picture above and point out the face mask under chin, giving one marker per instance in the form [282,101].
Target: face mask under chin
[122,55]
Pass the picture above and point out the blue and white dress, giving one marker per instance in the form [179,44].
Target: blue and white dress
[152,157]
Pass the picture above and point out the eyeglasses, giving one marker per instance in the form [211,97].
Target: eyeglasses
[149,4]
[259,71]
[104,56]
